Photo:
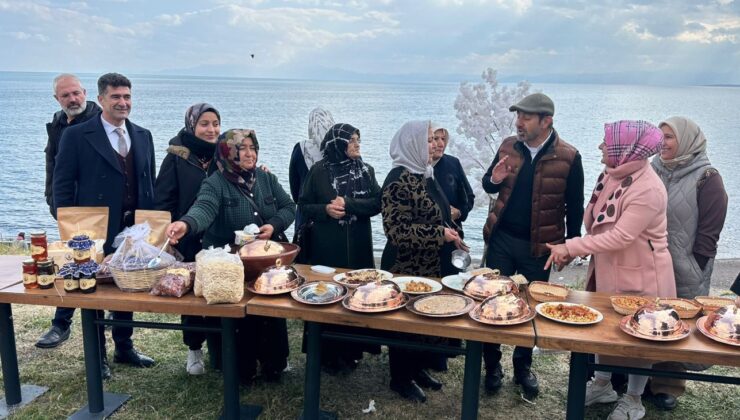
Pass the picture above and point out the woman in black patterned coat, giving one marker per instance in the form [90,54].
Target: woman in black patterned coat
[416,220]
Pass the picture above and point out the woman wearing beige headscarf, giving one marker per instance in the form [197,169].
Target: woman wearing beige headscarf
[697,205]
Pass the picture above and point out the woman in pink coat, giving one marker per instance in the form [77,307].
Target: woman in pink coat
[627,238]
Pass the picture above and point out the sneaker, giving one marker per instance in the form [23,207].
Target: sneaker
[596,393]
[195,362]
[628,408]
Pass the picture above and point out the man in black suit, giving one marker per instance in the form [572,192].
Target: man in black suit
[76,109]
[108,161]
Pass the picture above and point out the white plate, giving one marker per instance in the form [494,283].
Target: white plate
[454,282]
[339,278]
[322,269]
[403,281]
[539,307]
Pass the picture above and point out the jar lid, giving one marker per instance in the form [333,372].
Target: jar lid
[88,269]
[68,269]
[39,232]
[80,242]
[29,261]
[45,263]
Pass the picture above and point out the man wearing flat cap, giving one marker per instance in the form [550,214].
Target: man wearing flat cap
[539,181]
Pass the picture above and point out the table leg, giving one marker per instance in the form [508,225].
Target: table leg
[16,396]
[471,381]
[312,384]
[577,386]
[232,408]
[100,405]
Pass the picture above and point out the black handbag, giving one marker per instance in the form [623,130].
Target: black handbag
[303,239]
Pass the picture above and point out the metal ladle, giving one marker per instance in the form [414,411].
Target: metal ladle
[158,259]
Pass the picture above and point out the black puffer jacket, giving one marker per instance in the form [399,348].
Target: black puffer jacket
[177,186]
[55,129]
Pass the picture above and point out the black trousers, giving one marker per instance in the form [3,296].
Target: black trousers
[261,339]
[121,335]
[513,255]
[194,339]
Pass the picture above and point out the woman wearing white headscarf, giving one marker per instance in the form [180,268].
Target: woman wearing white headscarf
[417,222]
[697,206]
[306,153]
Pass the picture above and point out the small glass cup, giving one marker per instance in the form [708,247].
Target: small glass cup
[461,259]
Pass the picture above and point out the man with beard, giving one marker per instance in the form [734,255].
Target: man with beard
[109,162]
[76,109]
[539,181]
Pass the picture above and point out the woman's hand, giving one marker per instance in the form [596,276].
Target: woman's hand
[176,230]
[501,170]
[335,211]
[264,168]
[559,255]
[338,201]
[455,213]
[266,231]
[451,235]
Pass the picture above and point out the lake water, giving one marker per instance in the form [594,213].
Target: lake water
[278,111]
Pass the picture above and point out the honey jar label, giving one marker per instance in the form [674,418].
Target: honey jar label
[29,278]
[87,284]
[37,250]
[46,279]
[71,285]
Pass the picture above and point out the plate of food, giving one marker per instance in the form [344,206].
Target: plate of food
[362,276]
[569,313]
[441,305]
[417,285]
[455,282]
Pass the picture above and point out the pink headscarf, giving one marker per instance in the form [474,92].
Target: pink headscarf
[628,141]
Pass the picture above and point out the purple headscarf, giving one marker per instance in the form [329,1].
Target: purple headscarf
[628,141]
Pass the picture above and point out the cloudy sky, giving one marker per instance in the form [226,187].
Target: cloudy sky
[652,41]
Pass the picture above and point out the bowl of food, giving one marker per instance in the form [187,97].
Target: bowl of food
[489,284]
[503,309]
[656,320]
[276,279]
[710,304]
[377,296]
[628,305]
[547,292]
[261,254]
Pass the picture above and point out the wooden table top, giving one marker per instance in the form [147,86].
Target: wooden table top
[608,339]
[402,320]
[110,297]
[11,269]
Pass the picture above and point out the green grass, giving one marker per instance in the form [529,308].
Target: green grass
[167,391]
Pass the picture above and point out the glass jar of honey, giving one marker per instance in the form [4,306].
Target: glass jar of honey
[30,279]
[46,274]
[39,246]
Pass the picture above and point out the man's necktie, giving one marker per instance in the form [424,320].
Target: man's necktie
[122,148]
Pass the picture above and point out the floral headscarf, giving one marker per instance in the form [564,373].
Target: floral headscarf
[628,141]
[410,148]
[690,138]
[319,122]
[227,157]
[192,115]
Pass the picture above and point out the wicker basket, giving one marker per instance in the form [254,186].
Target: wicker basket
[682,306]
[547,292]
[137,280]
[710,304]
[624,310]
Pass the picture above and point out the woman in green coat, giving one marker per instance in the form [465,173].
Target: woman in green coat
[340,195]
[239,194]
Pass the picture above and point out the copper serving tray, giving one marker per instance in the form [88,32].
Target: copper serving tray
[404,301]
[469,304]
[625,326]
[300,281]
[701,326]
[475,315]
[338,292]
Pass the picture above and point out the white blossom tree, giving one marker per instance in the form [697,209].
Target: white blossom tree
[485,120]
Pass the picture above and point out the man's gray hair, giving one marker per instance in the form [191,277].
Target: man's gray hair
[65,76]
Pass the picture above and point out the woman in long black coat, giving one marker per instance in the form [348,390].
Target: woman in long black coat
[340,195]
[188,162]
